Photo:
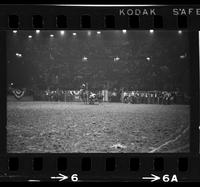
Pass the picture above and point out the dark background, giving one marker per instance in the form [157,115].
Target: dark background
[147,61]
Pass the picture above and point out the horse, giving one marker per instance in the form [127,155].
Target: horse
[84,95]
[92,98]
[89,97]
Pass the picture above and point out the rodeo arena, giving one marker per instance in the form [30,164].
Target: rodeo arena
[45,116]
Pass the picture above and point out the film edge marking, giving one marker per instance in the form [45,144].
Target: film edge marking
[153,178]
[61,177]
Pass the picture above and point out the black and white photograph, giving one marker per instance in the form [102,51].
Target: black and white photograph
[98,91]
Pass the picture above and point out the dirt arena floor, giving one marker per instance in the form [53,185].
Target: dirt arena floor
[58,127]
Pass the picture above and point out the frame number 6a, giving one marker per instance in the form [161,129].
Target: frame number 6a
[168,178]
[164,178]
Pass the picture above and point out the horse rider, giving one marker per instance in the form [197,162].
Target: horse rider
[92,97]
[83,87]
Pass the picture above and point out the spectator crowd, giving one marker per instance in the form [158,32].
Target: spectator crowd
[155,97]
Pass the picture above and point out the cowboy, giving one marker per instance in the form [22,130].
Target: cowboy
[92,97]
[83,87]
[125,97]
[84,92]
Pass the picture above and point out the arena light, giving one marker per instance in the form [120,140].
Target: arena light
[74,33]
[62,32]
[148,58]
[151,31]
[84,59]
[51,35]
[98,32]
[37,31]
[14,31]
[29,36]
[116,59]
[124,31]
[183,56]
[180,32]
[11,83]
[18,55]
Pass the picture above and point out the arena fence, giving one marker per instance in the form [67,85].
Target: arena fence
[134,97]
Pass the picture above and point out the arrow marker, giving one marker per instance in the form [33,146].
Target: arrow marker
[152,178]
[61,177]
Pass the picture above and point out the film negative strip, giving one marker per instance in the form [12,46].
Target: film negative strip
[99,93]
